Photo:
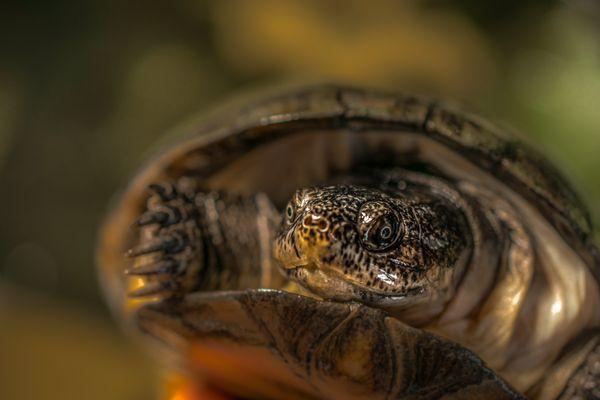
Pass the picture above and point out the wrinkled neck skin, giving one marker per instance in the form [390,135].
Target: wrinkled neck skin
[515,293]
[525,294]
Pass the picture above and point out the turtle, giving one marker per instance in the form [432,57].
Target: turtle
[333,242]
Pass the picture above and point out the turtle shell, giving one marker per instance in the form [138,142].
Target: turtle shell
[285,141]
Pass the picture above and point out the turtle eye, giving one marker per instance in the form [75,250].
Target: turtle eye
[290,213]
[385,232]
[378,226]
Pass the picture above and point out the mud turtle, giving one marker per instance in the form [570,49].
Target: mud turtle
[339,243]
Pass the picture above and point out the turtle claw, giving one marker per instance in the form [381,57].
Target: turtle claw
[185,240]
[166,266]
[165,190]
[152,217]
[171,243]
[163,216]
[168,241]
[162,244]
[153,289]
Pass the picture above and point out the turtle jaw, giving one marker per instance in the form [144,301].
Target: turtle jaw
[326,283]
[304,265]
[322,282]
[302,260]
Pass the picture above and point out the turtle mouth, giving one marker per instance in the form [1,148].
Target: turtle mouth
[326,283]
[322,282]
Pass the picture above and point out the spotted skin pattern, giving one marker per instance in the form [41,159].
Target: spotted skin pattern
[383,241]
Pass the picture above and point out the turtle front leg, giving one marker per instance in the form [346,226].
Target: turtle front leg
[193,240]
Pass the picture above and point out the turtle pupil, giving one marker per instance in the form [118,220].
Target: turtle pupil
[385,232]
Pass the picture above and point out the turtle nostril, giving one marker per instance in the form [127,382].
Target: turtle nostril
[323,225]
[307,222]
[315,222]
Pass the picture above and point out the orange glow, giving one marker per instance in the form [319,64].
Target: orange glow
[182,388]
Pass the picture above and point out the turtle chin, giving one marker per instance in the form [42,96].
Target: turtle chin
[322,283]
[309,275]
[311,279]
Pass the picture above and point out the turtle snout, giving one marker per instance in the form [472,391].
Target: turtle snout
[316,222]
[314,230]
[306,239]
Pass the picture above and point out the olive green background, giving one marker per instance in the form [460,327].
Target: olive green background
[87,89]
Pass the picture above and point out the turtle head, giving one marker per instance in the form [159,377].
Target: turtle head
[364,244]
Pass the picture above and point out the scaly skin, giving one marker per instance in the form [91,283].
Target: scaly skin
[373,245]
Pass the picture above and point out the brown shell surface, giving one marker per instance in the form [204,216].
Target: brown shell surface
[211,146]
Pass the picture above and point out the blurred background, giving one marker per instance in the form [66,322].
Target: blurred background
[88,88]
